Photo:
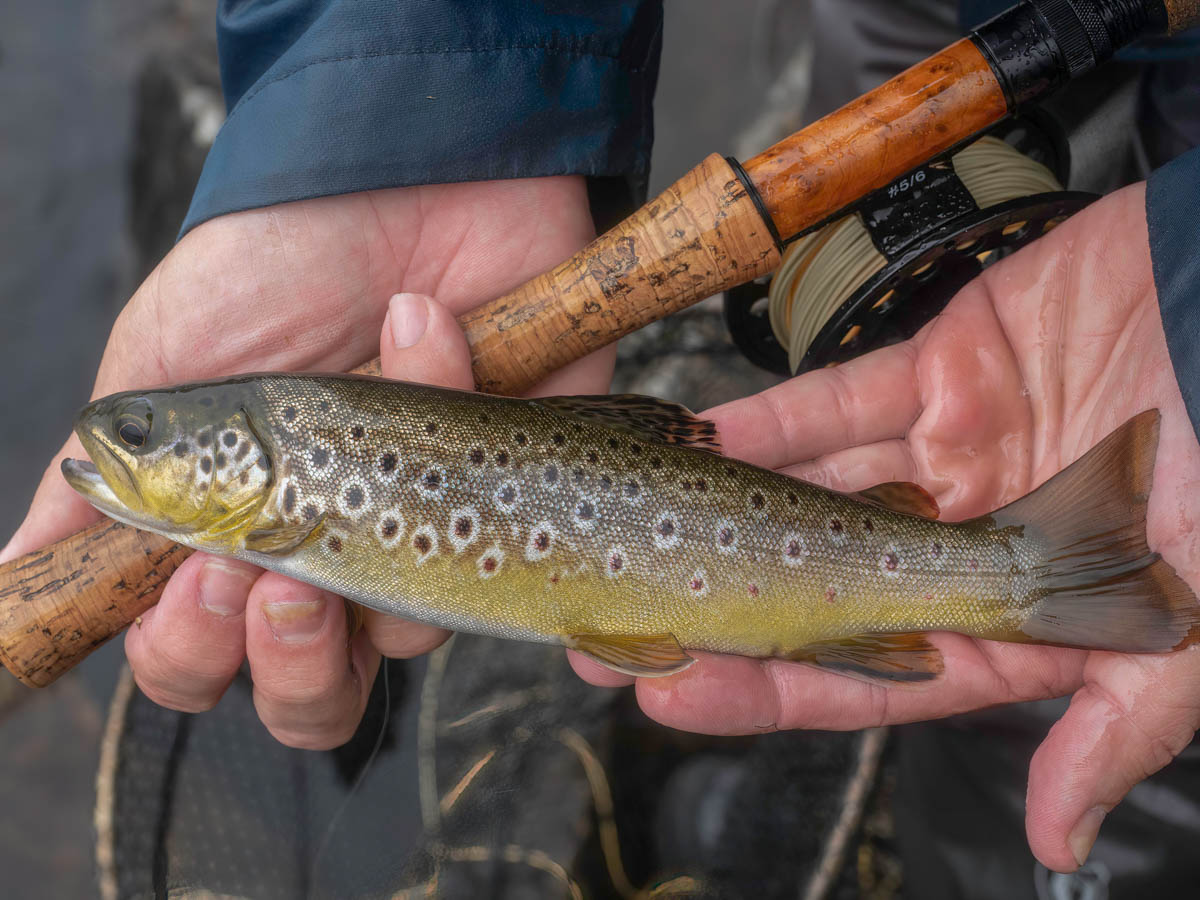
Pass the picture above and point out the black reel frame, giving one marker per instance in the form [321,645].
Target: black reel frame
[935,239]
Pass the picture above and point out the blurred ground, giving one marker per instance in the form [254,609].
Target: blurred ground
[104,107]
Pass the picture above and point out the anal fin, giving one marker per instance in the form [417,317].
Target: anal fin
[887,657]
[903,497]
[645,656]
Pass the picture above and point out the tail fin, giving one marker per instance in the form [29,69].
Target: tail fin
[1100,586]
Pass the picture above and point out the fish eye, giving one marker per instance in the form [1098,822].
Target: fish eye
[132,425]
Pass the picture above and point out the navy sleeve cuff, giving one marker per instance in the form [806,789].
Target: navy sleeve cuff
[349,95]
[1171,198]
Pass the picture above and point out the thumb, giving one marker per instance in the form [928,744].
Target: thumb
[421,341]
[1132,716]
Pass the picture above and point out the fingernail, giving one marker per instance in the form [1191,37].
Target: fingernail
[296,622]
[1083,835]
[224,586]
[407,317]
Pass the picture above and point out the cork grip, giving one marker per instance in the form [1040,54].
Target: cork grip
[1182,14]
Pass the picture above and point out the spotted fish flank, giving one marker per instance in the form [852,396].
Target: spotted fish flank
[614,526]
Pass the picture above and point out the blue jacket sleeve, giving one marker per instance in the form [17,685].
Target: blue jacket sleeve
[1171,196]
[334,96]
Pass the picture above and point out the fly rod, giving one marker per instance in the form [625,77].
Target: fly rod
[722,224]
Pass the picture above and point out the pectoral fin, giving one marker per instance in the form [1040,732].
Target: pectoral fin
[903,497]
[281,540]
[888,657]
[646,656]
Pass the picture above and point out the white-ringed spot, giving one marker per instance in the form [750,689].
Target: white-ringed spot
[667,531]
[757,504]
[540,543]
[698,583]
[432,481]
[463,527]
[837,531]
[316,460]
[585,513]
[507,496]
[889,562]
[488,565]
[615,562]
[727,536]
[387,466]
[390,528]
[352,499]
[794,549]
[425,542]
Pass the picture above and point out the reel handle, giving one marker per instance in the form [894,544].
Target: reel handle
[717,227]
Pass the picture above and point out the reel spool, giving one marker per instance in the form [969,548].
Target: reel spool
[875,276]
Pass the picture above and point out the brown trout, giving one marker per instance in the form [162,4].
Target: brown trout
[614,526]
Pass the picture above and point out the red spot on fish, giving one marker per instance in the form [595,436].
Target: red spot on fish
[489,564]
[830,595]
[554,579]
[891,561]
[696,584]
[753,588]
[835,526]
[929,596]
[422,543]
[793,549]
[973,564]
[541,542]
[615,562]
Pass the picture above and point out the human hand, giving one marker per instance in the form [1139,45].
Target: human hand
[305,287]
[1027,368]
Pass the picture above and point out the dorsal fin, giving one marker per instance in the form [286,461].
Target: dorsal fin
[648,417]
[901,496]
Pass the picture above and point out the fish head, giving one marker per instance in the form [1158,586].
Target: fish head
[185,462]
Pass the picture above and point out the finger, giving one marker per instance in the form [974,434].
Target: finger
[187,648]
[422,342]
[594,673]
[857,468]
[1131,718]
[873,398]
[399,638]
[735,695]
[310,685]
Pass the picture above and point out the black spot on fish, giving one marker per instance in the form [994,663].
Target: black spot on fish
[242,451]
[559,438]
[289,499]
[551,474]
[387,462]
[476,456]
[632,489]
[502,458]
[891,561]
[605,482]
[182,448]
[935,549]
[319,457]
[507,494]
[483,419]
[229,438]
[614,443]
[793,499]
[835,526]
[520,438]
[422,543]
[389,528]
[868,526]
[309,512]
[323,406]
[793,549]
[431,427]
[666,527]
[757,500]
[334,543]
[432,481]
[463,526]
[204,438]
[656,462]
[354,496]
[220,460]
[635,449]
[577,474]
[585,510]
[615,562]
[577,427]
[593,457]
[541,542]
[357,432]
[701,485]
[725,536]
[289,413]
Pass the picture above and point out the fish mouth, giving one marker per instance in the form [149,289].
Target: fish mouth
[84,476]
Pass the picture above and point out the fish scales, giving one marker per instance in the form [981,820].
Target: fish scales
[545,520]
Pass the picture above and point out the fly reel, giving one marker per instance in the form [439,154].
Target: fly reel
[875,276]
